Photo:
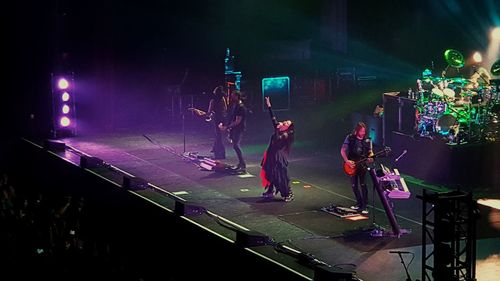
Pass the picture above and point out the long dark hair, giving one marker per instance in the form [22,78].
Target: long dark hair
[218,92]
[290,137]
[358,127]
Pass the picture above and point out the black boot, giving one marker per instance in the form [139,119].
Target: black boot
[242,168]
[269,192]
[289,197]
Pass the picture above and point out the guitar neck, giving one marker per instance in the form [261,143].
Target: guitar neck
[378,154]
[198,111]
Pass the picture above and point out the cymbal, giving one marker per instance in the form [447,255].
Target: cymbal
[468,93]
[495,68]
[454,58]
[471,86]
[459,80]
[433,79]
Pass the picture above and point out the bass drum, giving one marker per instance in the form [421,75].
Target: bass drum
[447,125]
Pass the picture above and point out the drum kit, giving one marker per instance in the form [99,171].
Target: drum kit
[458,109]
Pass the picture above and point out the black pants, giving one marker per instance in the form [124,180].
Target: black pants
[236,139]
[218,147]
[359,188]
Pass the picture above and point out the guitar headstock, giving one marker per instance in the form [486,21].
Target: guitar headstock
[384,152]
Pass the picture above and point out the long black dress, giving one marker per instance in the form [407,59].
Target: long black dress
[274,172]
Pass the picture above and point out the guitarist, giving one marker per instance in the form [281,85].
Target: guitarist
[237,122]
[217,108]
[357,146]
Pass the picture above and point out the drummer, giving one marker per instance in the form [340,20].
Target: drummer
[480,77]
[478,83]
[442,92]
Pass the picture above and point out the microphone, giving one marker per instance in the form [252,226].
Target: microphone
[400,252]
[404,152]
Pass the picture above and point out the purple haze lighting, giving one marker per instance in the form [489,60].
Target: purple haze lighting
[62,84]
[65,109]
[64,121]
[65,96]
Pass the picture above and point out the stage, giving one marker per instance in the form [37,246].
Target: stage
[317,181]
[101,102]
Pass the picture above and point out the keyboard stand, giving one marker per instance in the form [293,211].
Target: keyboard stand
[380,231]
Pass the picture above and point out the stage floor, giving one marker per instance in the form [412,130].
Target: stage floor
[317,181]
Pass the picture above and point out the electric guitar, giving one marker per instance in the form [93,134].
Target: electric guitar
[199,112]
[352,171]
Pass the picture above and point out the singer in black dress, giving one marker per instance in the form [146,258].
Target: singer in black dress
[274,172]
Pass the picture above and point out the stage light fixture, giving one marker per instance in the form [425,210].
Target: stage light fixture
[65,96]
[63,84]
[134,183]
[54,145]
[63,105]
[250,238]
[65,109]
[477,57]
[495,33]
[492,203]
[65,121]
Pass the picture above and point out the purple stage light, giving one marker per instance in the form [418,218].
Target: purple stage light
[62,84]
[65,121]
[65,96]
[65,109]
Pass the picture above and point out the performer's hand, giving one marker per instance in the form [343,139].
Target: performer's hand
[222,127]
[351,164]
[268,102]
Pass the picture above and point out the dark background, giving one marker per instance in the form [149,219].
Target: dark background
[129,57]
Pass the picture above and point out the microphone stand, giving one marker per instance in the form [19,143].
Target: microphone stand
[408,278]
[183,133]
